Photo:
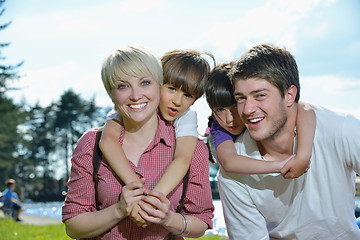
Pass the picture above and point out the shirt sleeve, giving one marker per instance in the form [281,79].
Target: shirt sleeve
[186,124]
[113,114]
[198,200]
[350,142]
[81,189]
[220,134]
[243,220]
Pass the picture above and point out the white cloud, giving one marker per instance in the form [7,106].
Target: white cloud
[276,21]
[331,91]
[331,84]
[140,6]
[77,25]
[45,85]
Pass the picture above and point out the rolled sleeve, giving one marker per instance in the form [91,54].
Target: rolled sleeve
[198,201]
[81,191]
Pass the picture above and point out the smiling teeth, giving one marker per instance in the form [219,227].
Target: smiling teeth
[255,120]
[138,106]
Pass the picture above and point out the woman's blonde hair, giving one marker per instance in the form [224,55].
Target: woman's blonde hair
[130,62]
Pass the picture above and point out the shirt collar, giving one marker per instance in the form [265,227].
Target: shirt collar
[165,133]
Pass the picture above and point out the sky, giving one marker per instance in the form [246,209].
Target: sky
[63,43]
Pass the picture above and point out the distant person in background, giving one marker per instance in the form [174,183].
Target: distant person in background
[11,199]
[318,204]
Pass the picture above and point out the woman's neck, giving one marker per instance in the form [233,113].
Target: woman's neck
[138,136]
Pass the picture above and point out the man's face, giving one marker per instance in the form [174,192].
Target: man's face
[261,108]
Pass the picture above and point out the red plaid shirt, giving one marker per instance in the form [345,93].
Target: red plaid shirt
[152,164]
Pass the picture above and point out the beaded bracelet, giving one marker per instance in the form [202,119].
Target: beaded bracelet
[184,226]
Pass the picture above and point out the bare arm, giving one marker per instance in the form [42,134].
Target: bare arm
[231,162]
[92,224]
[184,150]
[305,125]
[114,154]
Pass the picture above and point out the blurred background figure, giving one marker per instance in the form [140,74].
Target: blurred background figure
[12,204]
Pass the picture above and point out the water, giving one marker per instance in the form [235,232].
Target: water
[53,209]
[47,209]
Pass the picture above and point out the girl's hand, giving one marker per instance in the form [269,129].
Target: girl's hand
[295,167]
[131,193]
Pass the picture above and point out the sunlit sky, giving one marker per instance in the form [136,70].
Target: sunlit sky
[63,43]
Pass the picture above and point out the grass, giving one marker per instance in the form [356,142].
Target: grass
[11,230]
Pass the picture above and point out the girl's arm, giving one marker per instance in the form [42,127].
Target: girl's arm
[305,125]
[231,162]
[113,152]
[175,172]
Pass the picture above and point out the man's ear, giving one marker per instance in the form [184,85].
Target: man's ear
[290,95]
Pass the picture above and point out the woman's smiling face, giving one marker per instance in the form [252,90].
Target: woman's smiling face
[137,99]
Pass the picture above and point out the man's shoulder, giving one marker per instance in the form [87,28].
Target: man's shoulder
[327,118]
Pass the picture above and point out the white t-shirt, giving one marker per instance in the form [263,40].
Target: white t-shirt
[185,124]
[317,205]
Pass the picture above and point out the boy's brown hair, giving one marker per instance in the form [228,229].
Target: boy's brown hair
[187,70]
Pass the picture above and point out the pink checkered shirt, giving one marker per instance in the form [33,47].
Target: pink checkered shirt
[152,164]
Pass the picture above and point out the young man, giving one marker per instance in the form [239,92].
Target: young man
[320,203]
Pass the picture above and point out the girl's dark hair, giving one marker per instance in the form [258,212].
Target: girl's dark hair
[209,141]
[219,90]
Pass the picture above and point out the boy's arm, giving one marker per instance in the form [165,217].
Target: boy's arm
[175,172]
[113,152]
[305,125]
[231,162]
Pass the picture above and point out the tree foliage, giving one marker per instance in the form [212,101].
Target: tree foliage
[7,72]
[73,116]
[36,140]
[11,116]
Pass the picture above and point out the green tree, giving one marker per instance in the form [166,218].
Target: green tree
[73,116]
[11,116]
[7,72]
[40,145]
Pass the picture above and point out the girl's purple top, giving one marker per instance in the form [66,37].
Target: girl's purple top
[220,134]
